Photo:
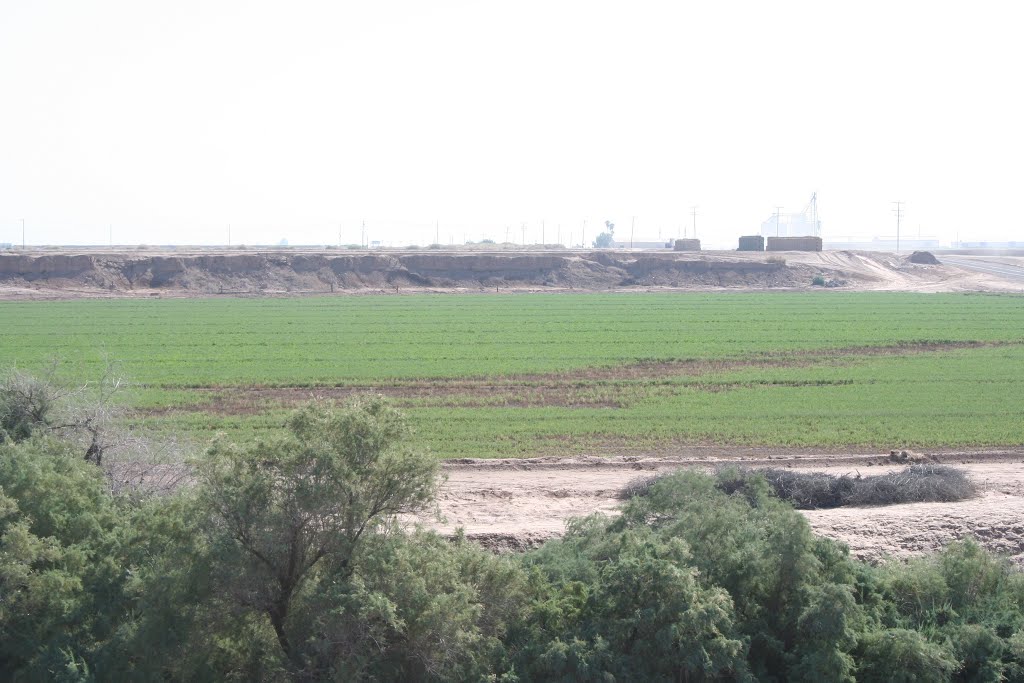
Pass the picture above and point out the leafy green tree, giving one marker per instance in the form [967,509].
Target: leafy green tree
[903,656]
[763,554]
[417,607]
[61,568]
[607,238]
[626,605]
[282,508]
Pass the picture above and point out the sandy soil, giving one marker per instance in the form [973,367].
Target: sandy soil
[516,504]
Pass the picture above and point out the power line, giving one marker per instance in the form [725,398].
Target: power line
[899,217]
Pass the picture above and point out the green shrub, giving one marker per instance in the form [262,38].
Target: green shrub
[900,655]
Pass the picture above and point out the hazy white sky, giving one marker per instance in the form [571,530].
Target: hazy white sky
[171,120]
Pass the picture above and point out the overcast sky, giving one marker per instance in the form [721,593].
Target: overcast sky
[171,120]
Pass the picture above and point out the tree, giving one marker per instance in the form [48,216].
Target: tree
[606,238]
[280,509]
[26,406]
[41,404]
[61,574]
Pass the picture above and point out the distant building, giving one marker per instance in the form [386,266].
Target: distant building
[6,245]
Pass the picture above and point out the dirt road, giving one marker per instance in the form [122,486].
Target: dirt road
[1007,268]
[516,504]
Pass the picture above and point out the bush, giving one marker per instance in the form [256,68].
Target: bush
[26,405]
[804,490]
[915,484]
[818,281]
[898,655]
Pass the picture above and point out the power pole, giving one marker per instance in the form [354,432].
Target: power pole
[778,213]
[632,225]
[583,239]
[362,234]
[506,234]
[22,234]
[899,217]
[523,226]
[693,212]
[543,241]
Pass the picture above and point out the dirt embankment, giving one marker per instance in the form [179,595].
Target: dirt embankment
[198,273]
[518,504]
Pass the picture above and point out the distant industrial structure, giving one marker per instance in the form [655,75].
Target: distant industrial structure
[803,224]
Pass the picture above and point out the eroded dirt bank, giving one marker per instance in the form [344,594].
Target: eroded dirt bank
[68,274]
[516,504]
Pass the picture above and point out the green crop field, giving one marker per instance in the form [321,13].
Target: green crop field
[513,375]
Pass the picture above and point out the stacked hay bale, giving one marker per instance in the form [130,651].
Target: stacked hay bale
[751,243]
[686,245]
[808,243]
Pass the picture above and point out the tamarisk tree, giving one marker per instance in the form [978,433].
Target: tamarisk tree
[286,510]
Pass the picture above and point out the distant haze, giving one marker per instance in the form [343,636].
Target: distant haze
[164,122]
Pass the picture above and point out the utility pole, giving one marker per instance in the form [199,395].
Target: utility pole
[22,234]
[362,234]
[899,217]
[506,234]
[632,225]
[583,239]
[543,241]
[523,226]
[778,214]
[693,212]
[339,235]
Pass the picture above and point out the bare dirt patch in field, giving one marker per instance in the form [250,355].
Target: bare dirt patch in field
[515,504]
[602,387]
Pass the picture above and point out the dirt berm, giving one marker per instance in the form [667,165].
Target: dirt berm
[191,272]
